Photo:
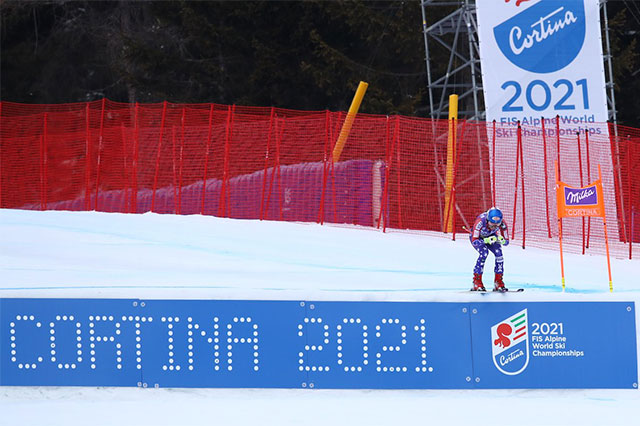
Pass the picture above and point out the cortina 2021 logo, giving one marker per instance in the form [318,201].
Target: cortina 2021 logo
[510,344]
[545,37]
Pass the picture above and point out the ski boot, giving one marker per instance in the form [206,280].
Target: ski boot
[477,283]
[498,284]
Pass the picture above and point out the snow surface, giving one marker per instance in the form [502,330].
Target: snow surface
[88,254]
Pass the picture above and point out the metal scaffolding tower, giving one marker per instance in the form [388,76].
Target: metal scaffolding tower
[457,34]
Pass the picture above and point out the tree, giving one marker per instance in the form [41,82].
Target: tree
[293,54]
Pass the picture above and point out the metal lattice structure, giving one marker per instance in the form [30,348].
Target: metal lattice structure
[457,33]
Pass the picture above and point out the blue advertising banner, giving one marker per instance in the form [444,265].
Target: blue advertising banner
[223,343]
[70,342]
[390,345]
[297,344]
[554,345]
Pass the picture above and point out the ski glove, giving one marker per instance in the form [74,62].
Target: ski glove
[490,240]
[503,240]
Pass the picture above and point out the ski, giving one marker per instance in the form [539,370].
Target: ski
[511,290]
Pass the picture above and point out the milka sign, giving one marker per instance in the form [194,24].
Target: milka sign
[585,201]
[545,37]
[581,197]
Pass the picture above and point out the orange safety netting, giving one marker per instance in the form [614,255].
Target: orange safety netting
[275,164]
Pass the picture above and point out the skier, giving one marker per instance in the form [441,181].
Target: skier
[489,233]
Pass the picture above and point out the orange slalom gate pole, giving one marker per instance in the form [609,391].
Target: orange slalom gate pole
[560,234]
[606,237]
[561,257]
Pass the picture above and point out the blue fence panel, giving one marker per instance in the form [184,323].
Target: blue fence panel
[554,345]
[387,345]
[289,344]
[68,342]
[222,343]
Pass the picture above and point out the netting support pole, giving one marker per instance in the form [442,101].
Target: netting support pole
[618,184]
[100,139]
[181,160]
[559,177]
[385,190]
[629,204]
[266,163]
[633,216]
[174,169]
[206,160]
[581,185]
[324,167]
[524,210]
[396,145]
[515,191]
[0,154]
[222,206]
[546,175]
[87,156]
[493,165]
[279,183]
[136,144]
[455,169]
[125,197]
[43,165]
[586,141]
[155,178]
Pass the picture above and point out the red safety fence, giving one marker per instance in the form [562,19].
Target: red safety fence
[275,164]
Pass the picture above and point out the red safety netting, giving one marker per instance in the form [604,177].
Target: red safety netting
[276,164]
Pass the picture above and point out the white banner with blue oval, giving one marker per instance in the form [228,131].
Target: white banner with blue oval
[542,58]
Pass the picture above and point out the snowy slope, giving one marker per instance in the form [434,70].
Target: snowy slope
[86,254]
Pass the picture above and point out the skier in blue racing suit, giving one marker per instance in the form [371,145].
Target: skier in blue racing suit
[489,233]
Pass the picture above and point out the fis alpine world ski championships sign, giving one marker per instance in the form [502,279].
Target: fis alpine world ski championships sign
[294,344]
[540,345]
[542,58]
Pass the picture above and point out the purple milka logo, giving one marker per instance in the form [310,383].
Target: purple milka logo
[581,196]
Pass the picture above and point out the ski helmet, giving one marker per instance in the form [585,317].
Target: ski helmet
[494,216]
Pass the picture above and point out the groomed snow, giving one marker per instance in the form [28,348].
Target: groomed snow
[88,254]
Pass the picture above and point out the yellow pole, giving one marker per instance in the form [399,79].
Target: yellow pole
[348,122]
[451,158]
